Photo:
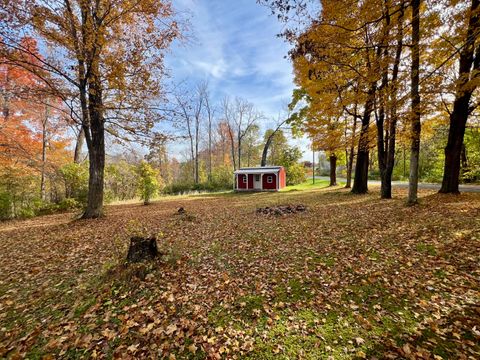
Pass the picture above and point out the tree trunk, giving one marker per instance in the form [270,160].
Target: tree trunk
[96,147]
[96,156]
[333,170]
[44,153]
[265,150]
[415,95]
[197,129]
[239,151]
[351,154]
[382,139]
[269,142]
[453,151]
[386,150]
[234,159]
[360,184]
[387,125]
[209,149]
[232,147]
[77,158]
[197,177]
[313,165]
[386,185]
[192,156]
[459,115]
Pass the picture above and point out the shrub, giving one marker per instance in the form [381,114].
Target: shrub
[148,182]
[222,178]
[6,206]
[26,213]
[177,188]
[46,209]
[69,204]
[374,174]
[295,174]
[181,188]
[75,177]
[121,181]
[18,192]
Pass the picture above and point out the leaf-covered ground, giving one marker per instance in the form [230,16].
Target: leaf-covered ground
[353,277]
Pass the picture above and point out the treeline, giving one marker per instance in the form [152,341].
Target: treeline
[99,73]
[103,60]
[377,77]
[221,138]
[43,168]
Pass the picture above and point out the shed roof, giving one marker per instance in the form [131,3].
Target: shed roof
[258,170]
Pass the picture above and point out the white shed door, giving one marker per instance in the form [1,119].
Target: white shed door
[257,182]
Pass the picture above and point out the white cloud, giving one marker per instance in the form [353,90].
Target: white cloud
[216,69]
[237,49]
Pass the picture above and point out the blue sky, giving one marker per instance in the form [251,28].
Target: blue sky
[234,45]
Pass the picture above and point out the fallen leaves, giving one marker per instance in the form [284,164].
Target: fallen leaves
[171,329]
[335,281]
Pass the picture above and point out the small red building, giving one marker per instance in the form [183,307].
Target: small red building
[267,178]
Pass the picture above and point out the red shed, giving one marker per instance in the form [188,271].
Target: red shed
[267,178]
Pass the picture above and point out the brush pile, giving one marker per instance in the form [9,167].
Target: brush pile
[282,210]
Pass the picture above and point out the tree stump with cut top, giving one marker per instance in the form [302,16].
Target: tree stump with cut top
[142,249]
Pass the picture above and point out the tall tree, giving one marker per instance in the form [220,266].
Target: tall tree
[190,113]
[45,129]
[268,142]
[108,54]
[77,154]
[466,83]
[282,120]
[278,145]
[240,116]
[251,146]
[387,102]
[338,58]
[415,99]
[210,114]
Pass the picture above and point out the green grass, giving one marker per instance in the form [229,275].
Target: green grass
[82,309]
[331,283]
[293,291]
[305,186]
[309,185]
[428,249]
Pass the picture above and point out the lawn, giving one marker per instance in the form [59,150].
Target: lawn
[309,185]
[353,277]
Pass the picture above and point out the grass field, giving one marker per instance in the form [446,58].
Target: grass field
[309,185]
[353,277]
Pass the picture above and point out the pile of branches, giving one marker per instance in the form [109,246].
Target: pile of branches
[282,210]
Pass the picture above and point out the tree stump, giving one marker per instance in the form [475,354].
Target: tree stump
[142,249]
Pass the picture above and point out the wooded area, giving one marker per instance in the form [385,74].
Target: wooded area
[121,236]
[377,80]
[393,62]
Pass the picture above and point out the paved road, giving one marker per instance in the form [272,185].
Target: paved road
[404,184]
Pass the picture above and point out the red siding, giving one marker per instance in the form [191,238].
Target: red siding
[250,181]
[246,182]
[242,184]
[269,186]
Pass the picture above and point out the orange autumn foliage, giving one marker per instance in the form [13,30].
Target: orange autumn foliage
[25,106]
